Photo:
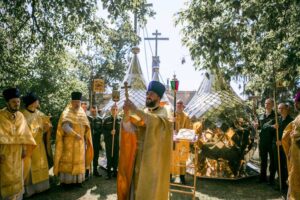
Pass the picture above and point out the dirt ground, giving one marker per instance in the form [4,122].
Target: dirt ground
[97,188]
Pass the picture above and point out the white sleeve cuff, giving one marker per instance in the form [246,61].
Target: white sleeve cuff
[67,128]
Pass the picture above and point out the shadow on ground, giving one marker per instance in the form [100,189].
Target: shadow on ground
[230,189]
[97,188]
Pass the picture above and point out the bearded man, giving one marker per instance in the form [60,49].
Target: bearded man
[74,147]
[182,121]
[16,144]
[146,140]
[38,178]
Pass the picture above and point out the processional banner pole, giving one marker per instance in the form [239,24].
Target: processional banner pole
[116,98]
[174,87]
[277,132]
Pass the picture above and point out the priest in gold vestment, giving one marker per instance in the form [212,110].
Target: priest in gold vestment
[38,177]
[74,147]
[16,143]
[145,149]
[182,121]
[291,146]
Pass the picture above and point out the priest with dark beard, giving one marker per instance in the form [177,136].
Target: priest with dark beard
[146,138]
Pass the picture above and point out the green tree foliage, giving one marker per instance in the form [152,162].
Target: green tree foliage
[56,46]
[245,38]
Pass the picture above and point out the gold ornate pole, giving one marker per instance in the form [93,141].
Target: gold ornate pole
[174,125]
[277,132]
[174,87]
[116,98]
[113,132]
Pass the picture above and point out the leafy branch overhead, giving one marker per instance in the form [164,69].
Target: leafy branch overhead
[54,46]
[245,38]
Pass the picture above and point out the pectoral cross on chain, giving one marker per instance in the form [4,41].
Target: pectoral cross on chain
[126,86]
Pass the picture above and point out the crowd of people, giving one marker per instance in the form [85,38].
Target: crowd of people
[279,144]
[25,146]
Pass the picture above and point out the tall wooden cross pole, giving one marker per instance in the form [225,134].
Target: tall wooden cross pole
[277,131]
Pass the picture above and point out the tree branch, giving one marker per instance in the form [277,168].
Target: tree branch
[35,23]
[22,26]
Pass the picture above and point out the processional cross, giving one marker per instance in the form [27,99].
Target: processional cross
[126,86]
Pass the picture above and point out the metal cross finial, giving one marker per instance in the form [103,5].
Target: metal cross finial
[155,59]
[156,38]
